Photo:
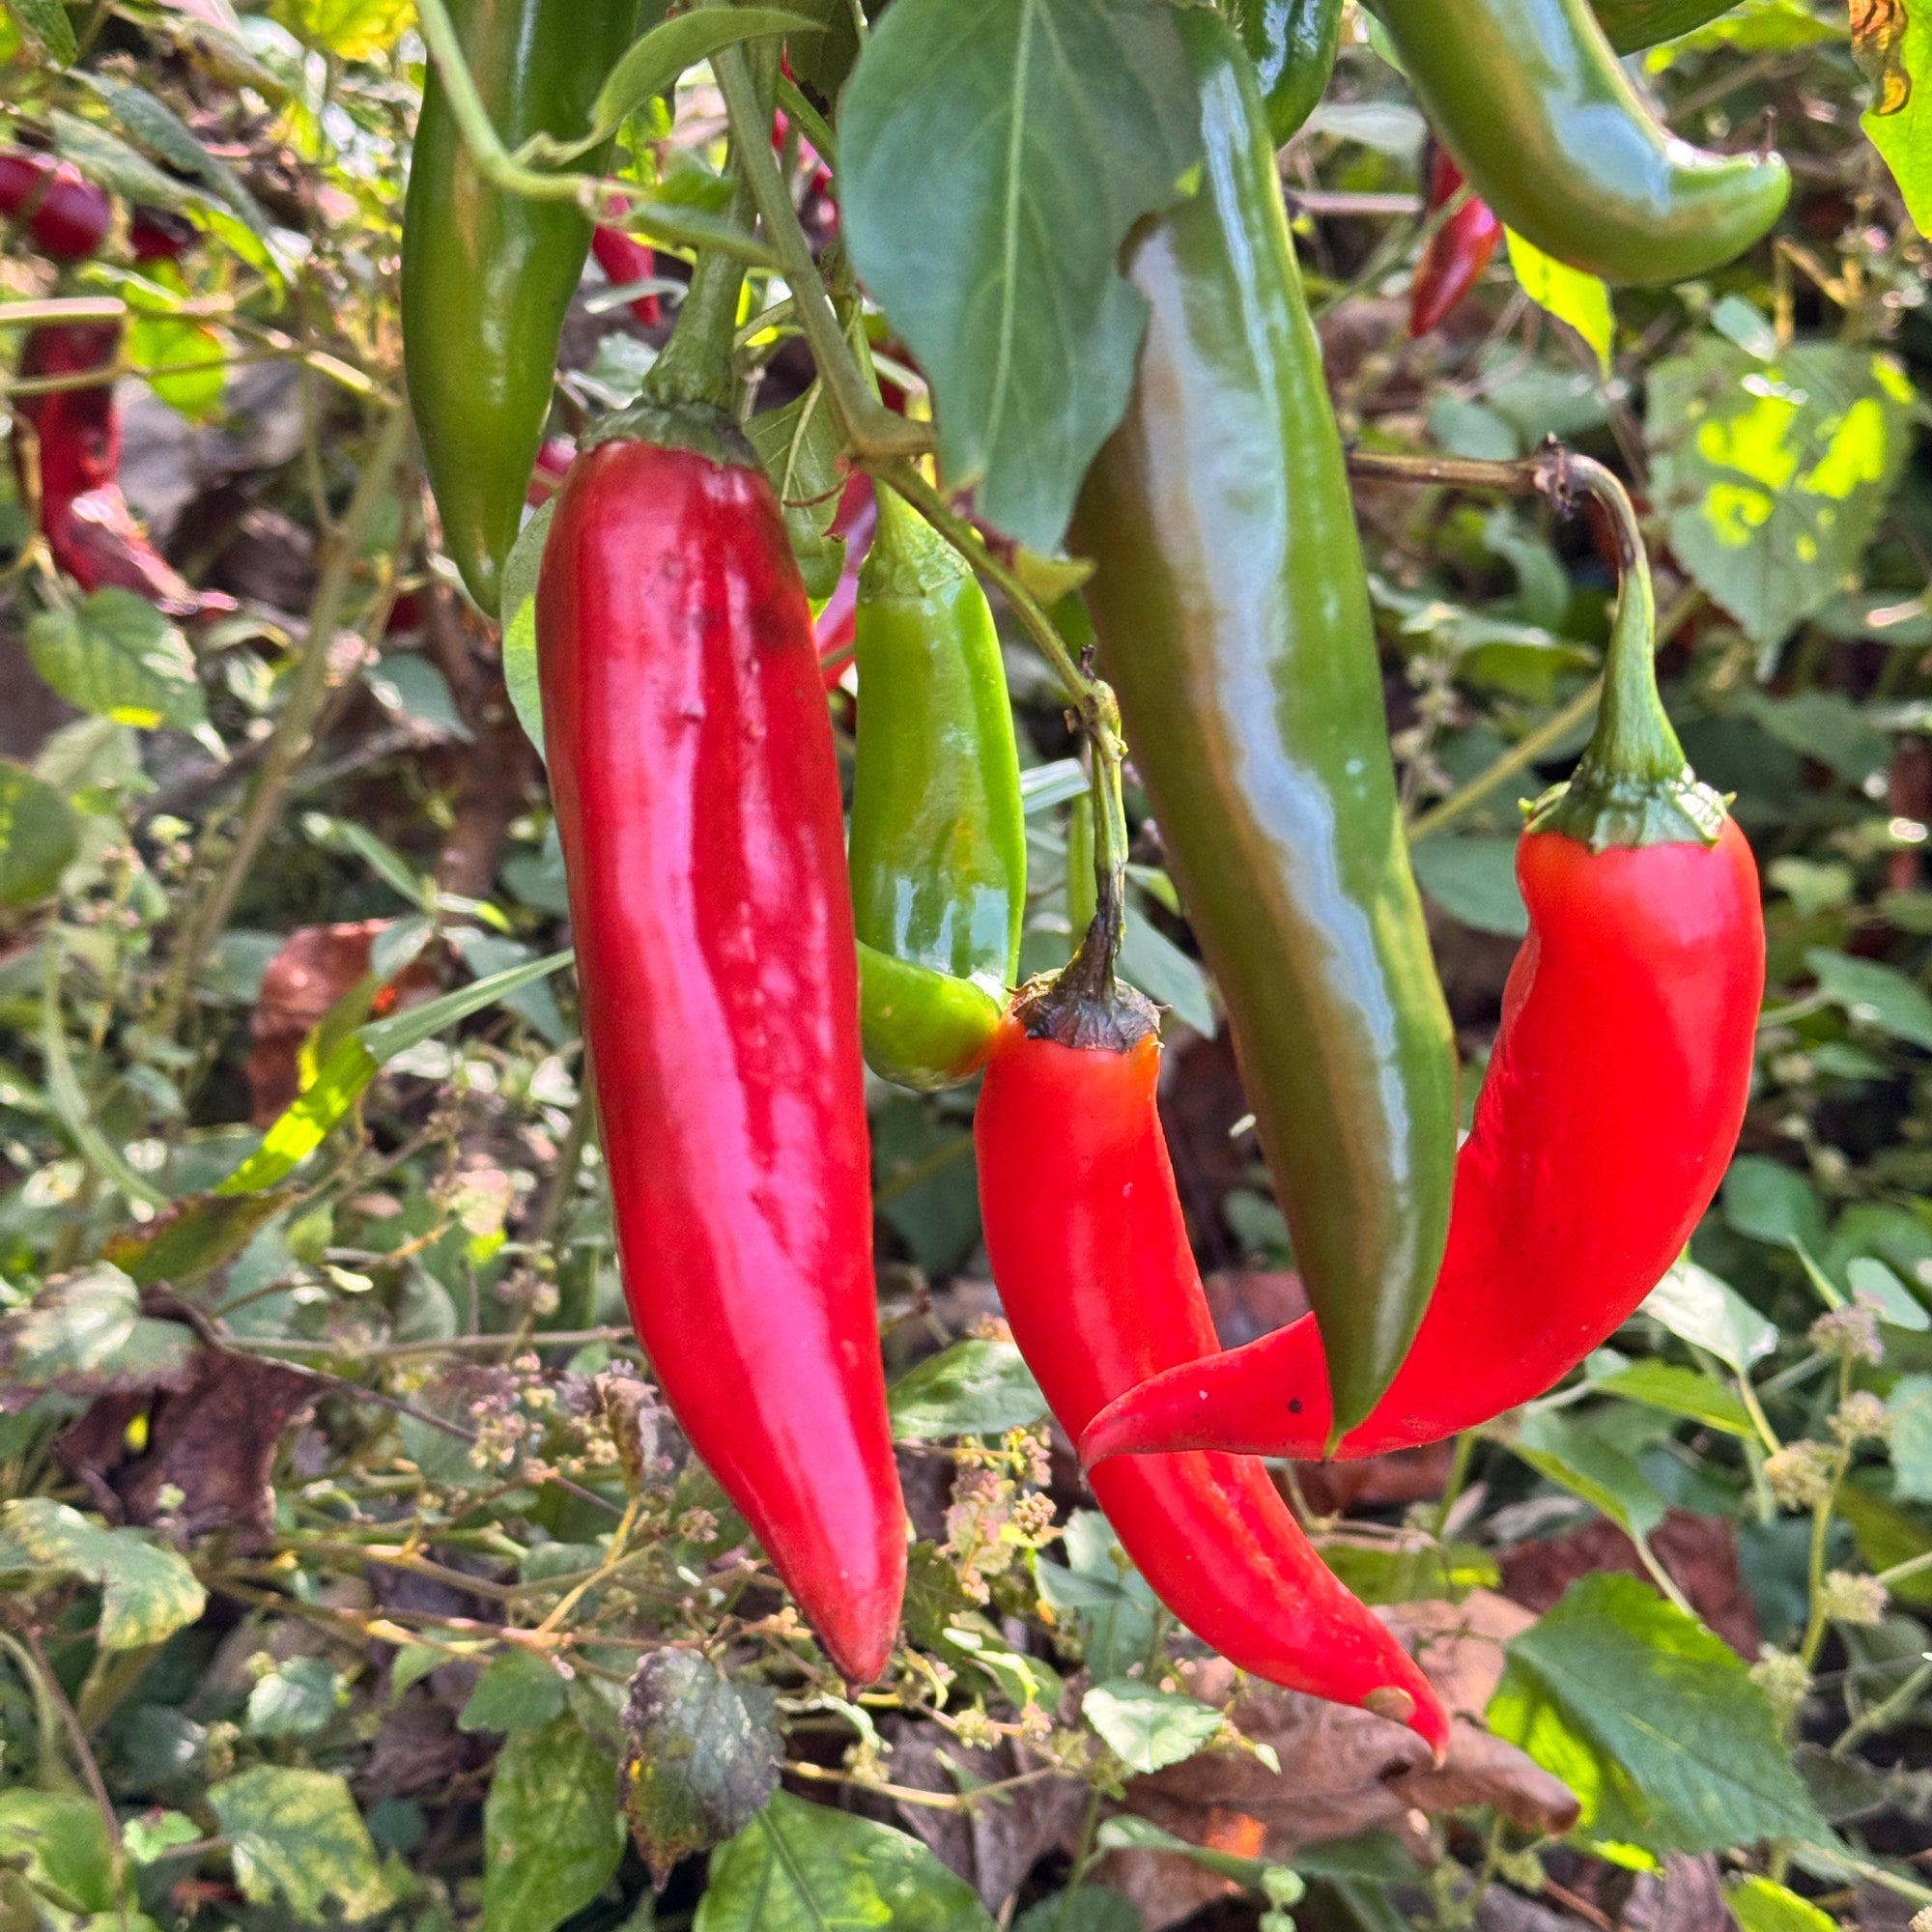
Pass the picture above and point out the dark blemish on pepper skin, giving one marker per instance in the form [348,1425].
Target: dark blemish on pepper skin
[1295,1405]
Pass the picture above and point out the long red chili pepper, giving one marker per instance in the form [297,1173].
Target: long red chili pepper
[696,796]
[66,215]
[625,260]
[1085,1233]
[93,534]
[1458,252]
[1610,1107]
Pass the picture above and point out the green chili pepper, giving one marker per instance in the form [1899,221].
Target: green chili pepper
[1234,616]
[1529,97]
[487,276]
[938,841]
[1292,43]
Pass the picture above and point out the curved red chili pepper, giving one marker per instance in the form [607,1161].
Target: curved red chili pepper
[93,534]
[1611,1104]
[66,215]
[697,795]
[623,262]
[1085,1233]
[1457,254]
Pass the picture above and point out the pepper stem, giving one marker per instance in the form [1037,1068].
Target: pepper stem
[695,365]
[1632,785]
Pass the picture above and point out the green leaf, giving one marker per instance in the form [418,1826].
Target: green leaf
[147,1593]
[1652,1721]
[159,128]
[153,1835]
[356,30]
[1473,879]
[1148,1728]
[1101,1592]
[297,1838]
[85,1334]
[104,156]
[801,1867]
[189,1239]
[39,835]
[518,1691]
[1873,994]
[1885,1535]
[1825,726]
[993,155]
[551,1831]
[161,341]
[1570,1455]
[972,1388]
[1092,1908]
[1763,1905]
[703,1756]
[1766,1201]
[823,61]
[1901,128]
[45,22]
[521,569]
[296,1699]
[1151,962]
[60,1840]
[1867,1274]
[114,655]
[1773,476]
[799,446]
[1710,1314]
[652,64]
[1679,1391]
[1570,294]
[306,1122]
[1909,1405]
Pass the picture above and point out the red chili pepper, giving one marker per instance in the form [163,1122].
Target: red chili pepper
[1612,1101]
[696,796]
[158,235]
[1458,252]
[1085,1233]
[93,534]
[65,215]
[623,262]
[548,470]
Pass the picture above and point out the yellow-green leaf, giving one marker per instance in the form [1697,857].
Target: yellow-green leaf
[1568,293]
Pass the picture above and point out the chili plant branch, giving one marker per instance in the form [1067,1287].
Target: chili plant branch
[293,733]
[869,428]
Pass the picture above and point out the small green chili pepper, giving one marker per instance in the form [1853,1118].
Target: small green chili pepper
[487,276]
[938,839]
[1293,45]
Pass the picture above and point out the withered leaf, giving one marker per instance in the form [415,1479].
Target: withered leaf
[702,1758]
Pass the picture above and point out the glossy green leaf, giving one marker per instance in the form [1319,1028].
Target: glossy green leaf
[551,1828]
[800,1868]
[1676,1390]
[993,155]
[1589,1465]
[1700,1309]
